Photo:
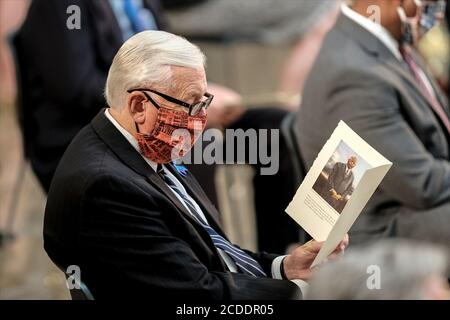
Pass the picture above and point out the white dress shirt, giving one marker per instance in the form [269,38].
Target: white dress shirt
[276,263]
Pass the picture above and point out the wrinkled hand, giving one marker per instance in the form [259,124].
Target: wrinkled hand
[298,264]
[225,108]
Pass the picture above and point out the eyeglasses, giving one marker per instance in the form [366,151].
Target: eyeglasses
[194,109]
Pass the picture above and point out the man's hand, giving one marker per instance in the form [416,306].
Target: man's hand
[298,264]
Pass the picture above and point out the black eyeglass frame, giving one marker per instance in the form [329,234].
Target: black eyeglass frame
[192,107]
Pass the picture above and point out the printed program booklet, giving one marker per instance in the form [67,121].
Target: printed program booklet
[339,184]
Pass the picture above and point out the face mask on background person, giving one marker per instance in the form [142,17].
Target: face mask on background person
[428,14]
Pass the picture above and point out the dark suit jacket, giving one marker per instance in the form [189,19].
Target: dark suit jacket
[109,213]
[357,79]
[339,181]
[66,73]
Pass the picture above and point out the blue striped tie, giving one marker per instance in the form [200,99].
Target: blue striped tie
[245,263]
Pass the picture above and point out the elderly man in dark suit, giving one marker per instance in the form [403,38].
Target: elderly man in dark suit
[67,68]
[132,221]
[369,75]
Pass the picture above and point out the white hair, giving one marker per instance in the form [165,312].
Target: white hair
[147,58]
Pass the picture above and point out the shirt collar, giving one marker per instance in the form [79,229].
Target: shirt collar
[374,28]
[130,138]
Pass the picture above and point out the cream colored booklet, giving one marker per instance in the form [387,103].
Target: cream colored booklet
[339,184]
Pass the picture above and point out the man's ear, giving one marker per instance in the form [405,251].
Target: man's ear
[136,105]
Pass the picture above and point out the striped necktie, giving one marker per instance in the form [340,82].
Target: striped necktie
[244,262]
[426,89]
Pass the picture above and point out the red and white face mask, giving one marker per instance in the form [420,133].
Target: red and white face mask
[174,135]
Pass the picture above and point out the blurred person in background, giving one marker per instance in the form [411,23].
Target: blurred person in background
[302,24]
[387,270]
[447,18]
[67,68]
[369,75]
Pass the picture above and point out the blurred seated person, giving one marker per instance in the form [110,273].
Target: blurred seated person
[131,220]
[387,270]
[369,75]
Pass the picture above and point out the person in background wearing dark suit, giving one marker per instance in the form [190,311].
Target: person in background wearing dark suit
[138,226]
[369,75]
[340,182]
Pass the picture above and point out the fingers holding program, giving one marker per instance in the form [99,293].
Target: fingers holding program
[297,265]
